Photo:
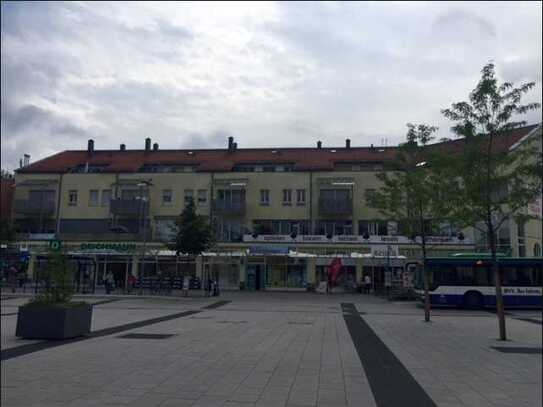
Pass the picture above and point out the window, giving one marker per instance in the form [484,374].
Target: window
[368,194]
[93,197]
[72,197]
[167,197]
[189,196]
[287,196]
[334,227]
[202,197]
[165,230]
[377,227]
[537,250]
[264,197]
[521,240]
[280,226]
[106,197]
[300,197]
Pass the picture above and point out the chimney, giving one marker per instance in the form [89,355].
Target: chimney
[319,144]
[90,147]
[147,144]
[347,143]
[26,160]
[372,148]
[230,143]
[123,147]
[155,147]
[234,146]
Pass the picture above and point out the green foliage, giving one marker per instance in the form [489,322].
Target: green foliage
[194,234]
[58,277]
[492,184]
[413,194]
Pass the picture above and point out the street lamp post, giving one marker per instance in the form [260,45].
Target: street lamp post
[142,198]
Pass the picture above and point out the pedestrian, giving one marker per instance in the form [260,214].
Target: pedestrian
[109,283]
[215,288]
[209,284]
[367,284]
[131,281]
[12,278]
[21,278]
[186,286]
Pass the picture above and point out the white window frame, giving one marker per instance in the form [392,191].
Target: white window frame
[287,197]
[300,193]
[97,195]
[198,194]
[265,193]
[72,193]
[164,195]
[102,202]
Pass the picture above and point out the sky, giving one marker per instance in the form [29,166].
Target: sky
[189,75]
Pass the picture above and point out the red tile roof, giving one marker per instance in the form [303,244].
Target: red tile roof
[221,160]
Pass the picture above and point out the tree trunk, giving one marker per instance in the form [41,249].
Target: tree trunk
[497,284]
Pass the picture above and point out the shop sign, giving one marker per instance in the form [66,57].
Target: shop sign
[354,239]
[55,245]
[268,250]
[385,251]
[117,247]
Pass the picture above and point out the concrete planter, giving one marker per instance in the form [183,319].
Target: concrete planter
[53,321]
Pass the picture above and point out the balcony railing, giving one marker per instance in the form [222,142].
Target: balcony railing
[128,207]
[329,206]
[31,207]
[229,207]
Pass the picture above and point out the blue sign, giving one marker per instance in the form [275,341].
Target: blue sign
[268,250]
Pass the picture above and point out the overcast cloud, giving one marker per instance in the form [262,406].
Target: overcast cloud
[277,74]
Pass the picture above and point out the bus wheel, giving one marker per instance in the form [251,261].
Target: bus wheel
[473,300]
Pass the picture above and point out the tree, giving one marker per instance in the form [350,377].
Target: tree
[58,279]
[493,184]
[194,235]
[413,194]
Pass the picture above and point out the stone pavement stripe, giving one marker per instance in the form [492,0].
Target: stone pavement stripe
[532,320]
[36,347]
[382,367]
[216,305]
[106,301]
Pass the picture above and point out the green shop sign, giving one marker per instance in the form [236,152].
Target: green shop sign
[118,247]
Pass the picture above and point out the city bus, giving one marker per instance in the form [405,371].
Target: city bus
[468,281]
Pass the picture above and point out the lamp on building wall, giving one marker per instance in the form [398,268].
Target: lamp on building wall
[365,236]
[460,236]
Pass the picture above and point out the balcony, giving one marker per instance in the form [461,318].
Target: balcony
[34,207]
[229,207]
[330,206]
[128,207]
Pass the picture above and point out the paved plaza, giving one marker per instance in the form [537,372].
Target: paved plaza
[276,349]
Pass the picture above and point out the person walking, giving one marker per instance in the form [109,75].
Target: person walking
[109,282]
[12,278]
[21,278]
[186,286]
[367,284]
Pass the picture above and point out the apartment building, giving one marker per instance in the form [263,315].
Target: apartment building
[281,214]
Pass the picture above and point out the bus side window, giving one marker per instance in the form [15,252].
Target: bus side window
[509,277]
[523,277]
[537,276]
[481,275]
[465,276]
